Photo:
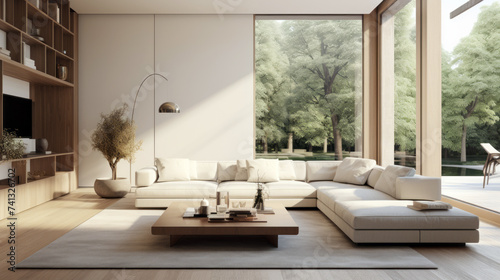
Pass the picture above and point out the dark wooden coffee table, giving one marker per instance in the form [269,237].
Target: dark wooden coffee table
[172,223]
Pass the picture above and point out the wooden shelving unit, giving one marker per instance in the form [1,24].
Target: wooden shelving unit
[52,40]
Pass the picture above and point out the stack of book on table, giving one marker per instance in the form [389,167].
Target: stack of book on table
[430,205]
[243,215]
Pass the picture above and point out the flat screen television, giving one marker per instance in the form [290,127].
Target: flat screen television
[17,115]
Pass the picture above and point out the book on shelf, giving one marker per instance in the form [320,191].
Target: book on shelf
[430,205]
[4,51]
[29,62]
[35,3]
[54,12]
[3,39]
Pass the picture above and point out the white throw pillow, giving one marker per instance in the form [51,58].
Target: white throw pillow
[374,176]
[321,170]
[206,171]
[263,170]
[354,170]
[172,169]
[241,170]
[287,170]
[387,181]
[226,171]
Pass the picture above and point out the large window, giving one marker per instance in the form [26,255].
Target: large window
[470,85]
[399,81]
[308,87]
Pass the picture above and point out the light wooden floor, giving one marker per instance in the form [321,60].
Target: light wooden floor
[43,224]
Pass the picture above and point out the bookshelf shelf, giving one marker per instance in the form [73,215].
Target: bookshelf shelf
[55,111]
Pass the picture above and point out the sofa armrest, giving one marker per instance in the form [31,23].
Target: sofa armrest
[146,176]
[418,188]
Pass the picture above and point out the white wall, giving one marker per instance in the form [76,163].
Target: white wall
[209,65]
[115,54]
[210,70]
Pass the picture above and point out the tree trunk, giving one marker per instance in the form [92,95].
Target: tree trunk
[264,143]
[290,142]
[325,145]
[463,153]
[310,148]
[337,138]
[113,171]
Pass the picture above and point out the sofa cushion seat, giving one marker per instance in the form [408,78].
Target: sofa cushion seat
[290,189]
[179,190]
[330,196]
[394,215]
[239,189]
[335,185]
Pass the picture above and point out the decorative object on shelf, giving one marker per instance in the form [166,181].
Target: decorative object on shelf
[259,197]
[114,137]
[41,145]
[36,175]
[10,148]
[62,72]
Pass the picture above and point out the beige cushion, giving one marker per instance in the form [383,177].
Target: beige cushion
[226,171]
[354,170]
[393,214]
[178,190]
[290,189]
[330,197]
[239,189]
[321,170]
[146,176]
[287,170]
[173,169]
[263,170]
[300,170]
[241,170]
[374,176]
[387,181]
[418,188]
[205,171]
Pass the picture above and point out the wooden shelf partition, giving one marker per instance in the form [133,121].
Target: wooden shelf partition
[27,23]
[52,40]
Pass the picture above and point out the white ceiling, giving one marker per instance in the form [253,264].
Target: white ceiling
[224,6]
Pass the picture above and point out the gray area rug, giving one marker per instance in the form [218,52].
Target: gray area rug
[120,237]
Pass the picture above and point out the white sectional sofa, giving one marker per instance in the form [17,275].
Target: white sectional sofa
[367,202]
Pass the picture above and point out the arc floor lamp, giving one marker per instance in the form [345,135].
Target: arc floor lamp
[166,107]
